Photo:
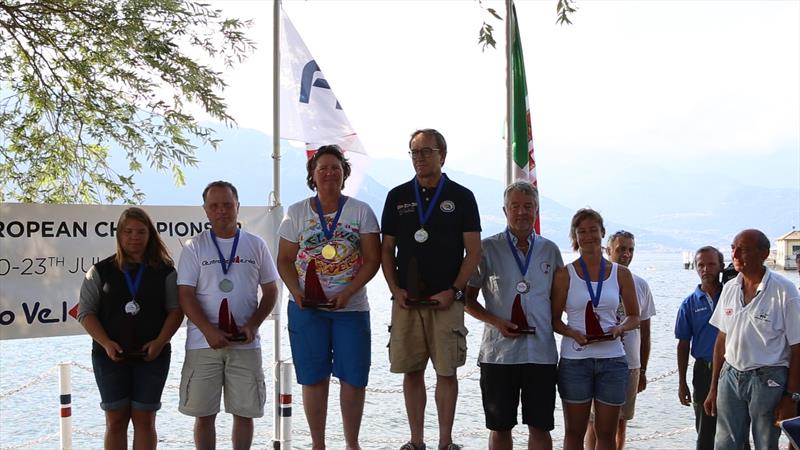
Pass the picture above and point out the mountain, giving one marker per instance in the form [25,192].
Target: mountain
[667,208]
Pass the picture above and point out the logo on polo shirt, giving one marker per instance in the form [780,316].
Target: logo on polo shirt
[702,308]
[447,206]
[728,311]
[763,317]
[546,268]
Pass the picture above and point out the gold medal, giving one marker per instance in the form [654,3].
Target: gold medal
[328,252]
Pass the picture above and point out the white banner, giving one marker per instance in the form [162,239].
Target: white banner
[45,251]
[310,111]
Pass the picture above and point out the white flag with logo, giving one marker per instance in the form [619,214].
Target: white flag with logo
[310,112]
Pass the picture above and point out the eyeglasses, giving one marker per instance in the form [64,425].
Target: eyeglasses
[621,233]
[424,152]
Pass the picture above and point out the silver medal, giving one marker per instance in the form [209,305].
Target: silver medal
[421,235]
[132,308]
[523,287]
[226,285]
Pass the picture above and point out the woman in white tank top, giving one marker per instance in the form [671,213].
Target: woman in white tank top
[592,365]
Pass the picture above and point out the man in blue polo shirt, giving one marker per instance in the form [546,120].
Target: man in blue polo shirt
[695,333]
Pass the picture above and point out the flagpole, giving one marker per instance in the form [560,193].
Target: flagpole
[275,208]
[509,93]
[276,103]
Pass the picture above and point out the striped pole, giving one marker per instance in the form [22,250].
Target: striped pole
[287,373]
[65,391]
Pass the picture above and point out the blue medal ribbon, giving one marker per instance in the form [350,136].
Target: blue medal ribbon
[133,286]
[423,218]
[522,268]
[225,265]
[329,231]
[595,296]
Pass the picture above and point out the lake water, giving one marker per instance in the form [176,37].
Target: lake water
[29,408]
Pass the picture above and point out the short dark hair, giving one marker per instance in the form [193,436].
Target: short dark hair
[619,234]
[440,142]
[221,184]
[580,216]
[311,165]
[710,248]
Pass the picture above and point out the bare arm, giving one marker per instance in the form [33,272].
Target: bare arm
[786,407]
[187,298]
[389,271]
[287,254]
[171,324]
[476,310]
[558,301]
[269,295]
[472,246]
[644,353]
[628,292]
[371,260]
[95,329]
[710,404]
[684,395]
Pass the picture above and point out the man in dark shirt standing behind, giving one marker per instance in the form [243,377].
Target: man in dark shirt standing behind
[428,223]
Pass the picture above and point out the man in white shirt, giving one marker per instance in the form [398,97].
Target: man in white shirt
[759,343]
[219,273]
[620,248]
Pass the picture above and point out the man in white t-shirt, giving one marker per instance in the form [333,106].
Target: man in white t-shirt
[620,247]
[219,273]
[759,343]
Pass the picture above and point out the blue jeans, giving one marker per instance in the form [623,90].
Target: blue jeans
[754,394]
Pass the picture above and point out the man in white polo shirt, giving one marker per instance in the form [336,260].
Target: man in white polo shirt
[758,317]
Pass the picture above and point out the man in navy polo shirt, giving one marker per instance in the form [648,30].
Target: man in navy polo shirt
[431,247]
[695,333]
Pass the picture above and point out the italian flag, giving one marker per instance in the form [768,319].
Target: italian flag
[524,166]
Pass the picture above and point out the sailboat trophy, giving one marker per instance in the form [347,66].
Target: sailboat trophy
[313,294]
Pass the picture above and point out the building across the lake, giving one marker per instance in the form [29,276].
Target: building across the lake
[787,246]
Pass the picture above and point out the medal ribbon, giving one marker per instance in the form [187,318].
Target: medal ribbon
[133,286]
[427,215]
[225,266]
[595,296]
[329,231]
[522,268]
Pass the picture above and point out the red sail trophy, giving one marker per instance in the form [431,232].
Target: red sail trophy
[228,324]
[313,294]
[518,318]
[594,332]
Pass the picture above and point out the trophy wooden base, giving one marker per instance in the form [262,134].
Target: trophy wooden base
[313,305]
[238,338]
[133,354]
[599,338]
[421,302]
[525,330]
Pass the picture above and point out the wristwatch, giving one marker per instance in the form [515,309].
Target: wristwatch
[459,294]
[795,396]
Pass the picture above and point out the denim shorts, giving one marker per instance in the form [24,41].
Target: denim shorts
[136,383]
[602,379]
[330,342]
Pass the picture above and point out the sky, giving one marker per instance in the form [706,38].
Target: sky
[639,84]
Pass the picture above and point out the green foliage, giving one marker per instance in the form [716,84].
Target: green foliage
[564,9]
[78,77]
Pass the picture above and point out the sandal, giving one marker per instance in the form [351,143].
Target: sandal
[452,446]
[410,446]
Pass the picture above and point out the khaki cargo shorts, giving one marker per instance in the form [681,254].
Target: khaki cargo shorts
[206,372]
[419,334]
